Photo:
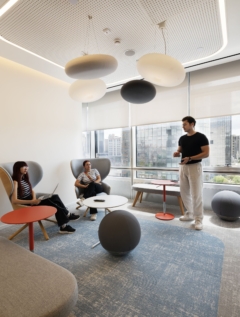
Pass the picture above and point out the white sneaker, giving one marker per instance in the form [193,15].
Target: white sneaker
[93,217]
[198,224]
[187,217]
[80,202]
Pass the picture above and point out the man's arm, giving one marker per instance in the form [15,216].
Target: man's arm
[177,154]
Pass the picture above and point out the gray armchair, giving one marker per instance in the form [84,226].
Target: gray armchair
[103,165]
[35,175]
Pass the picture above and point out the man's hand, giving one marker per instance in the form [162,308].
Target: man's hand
[176,154]
[184,160]
[86,186]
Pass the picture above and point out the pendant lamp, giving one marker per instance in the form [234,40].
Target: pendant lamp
[138,91]
[161,69]
[90,66]
[87,90]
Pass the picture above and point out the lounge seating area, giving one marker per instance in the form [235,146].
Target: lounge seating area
[148,92]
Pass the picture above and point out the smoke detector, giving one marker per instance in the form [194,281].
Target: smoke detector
[129,52]
[117,41]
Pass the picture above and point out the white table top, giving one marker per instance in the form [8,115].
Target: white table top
[111,201]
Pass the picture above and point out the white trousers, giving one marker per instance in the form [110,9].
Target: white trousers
[191,188]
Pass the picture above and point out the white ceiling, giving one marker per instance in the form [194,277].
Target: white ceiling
[60,31]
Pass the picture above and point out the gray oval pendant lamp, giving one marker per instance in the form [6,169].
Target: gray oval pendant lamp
[138,91]
[91,66]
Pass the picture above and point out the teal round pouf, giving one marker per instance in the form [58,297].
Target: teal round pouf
[119,232]
[226,204]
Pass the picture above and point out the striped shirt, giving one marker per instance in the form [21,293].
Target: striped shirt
[83,179]
[25,190]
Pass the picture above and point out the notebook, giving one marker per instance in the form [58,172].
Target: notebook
[48,195]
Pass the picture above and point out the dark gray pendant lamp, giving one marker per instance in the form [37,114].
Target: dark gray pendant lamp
[138,91]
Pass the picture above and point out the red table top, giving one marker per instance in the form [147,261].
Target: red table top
[163,182]
[28,214]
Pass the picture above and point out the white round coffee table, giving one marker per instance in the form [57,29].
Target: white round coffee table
[110,201]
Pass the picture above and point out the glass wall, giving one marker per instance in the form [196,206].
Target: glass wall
[154,146]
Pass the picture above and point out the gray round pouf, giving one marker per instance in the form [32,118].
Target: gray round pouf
[226,204]
[119,232]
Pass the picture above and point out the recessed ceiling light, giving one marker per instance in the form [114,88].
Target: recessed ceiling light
[129,52]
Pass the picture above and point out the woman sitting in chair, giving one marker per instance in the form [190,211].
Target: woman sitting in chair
[90,181]
[23,194]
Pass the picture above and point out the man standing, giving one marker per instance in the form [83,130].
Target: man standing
[193,147]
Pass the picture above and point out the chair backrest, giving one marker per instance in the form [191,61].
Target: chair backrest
[103,165]
[6,170]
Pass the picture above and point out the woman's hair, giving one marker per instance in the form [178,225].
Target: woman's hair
[84,162]
[17,176]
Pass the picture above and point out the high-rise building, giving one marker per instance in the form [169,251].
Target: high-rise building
[114,145]
[235,141]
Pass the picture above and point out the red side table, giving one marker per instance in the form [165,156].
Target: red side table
[164,215]
[28,215]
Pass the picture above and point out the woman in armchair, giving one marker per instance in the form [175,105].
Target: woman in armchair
[90,181]
[23,194]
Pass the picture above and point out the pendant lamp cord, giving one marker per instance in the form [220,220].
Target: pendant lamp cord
[86,44]
[165,46]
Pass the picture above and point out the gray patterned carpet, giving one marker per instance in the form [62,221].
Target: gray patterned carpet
[173,271]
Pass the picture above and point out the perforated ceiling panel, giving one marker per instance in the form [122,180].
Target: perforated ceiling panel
[60,31]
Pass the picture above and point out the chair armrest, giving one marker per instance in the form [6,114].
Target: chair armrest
[106,188]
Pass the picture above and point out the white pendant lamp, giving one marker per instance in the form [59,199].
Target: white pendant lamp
[87,90]
[161,69]
[91,66]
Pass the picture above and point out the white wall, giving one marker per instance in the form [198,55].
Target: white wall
[39,122]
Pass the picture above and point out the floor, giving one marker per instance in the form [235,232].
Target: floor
[228,232]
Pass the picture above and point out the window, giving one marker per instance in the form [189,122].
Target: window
[156,143]
[114,144]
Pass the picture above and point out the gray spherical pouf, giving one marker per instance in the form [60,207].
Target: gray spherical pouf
[226,204]
[119,232]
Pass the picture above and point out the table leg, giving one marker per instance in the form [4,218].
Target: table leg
[93,246]
[163,215]
[31,236]
[136,198]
